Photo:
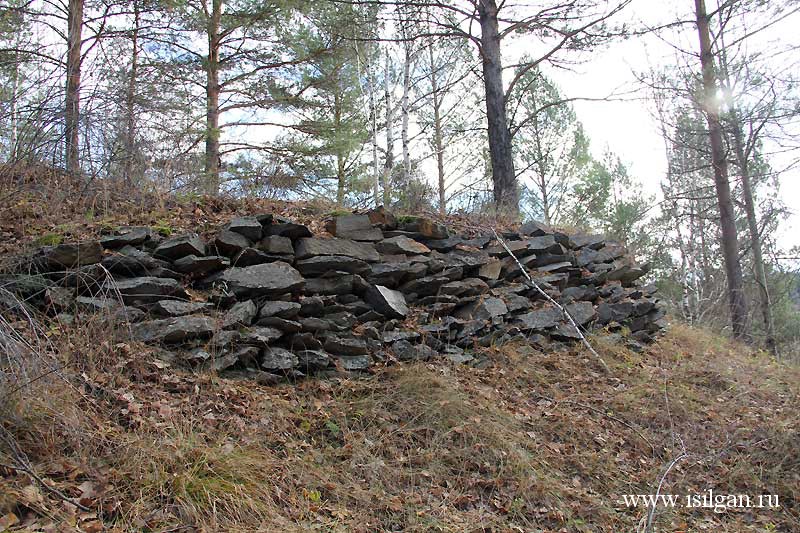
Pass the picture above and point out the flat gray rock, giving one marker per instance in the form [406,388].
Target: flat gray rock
[173,308]
[72,254]
[322,264]
[279,309]
[386,301]
[545,318]
[260,336]
[265,279]
[146,289]
[353,363]
[180,246]
[248,227]
[241,314]
[341,345]
[276,245]
[229,243]
[310,247]
[201,266]
[276,359]
[127,236]
[354,227]
[174,330]
[287,229]
[482,309]
[311,360]
[401,245]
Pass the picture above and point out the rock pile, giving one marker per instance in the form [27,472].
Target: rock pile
[266,294]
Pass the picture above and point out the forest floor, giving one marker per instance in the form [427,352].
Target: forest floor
[536,442]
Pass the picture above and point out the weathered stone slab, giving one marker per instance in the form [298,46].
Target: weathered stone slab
[229,243]
[276,245]
[201,266]
[482,309]
[310,247]
[342,345]
[70,255]
[174,330]
[180,246]
[265,279]
[146,289]
[173,308]
[126,236]
[401,245]
[248,227]
[386,301]
[540,319]
[354,227]
[276,359]
[288,229]
[241,314]
[322,264]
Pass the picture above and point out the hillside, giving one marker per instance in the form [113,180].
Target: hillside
[533,439]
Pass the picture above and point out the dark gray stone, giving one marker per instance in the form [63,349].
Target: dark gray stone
[248,356]
[386,301]
[72,254]
[265,279]
[312,360]
[180,246]
[251,256]
[342,284]
[277,359]
[491,270]
[310,247]
[425,227]
[426,286]
[279,309]
[248,227]
[352,363]
[304,341]
[288,229]
[341,345]
[230,244]
[126,236]
[354,227]
[539,319]
[399,335]
[405,351]
[322,264]
[260,335]
[276,245]
[172,308]
[535,229]
[201,266]
[241,314]
[582,240]
[146,289]
[392,274]
[401,245]
[482,309]
[130,261]
[174,330]
[544,245]
[581,312]
[466,287]
[283,324]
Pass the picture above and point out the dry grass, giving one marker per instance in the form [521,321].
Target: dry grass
[537,442]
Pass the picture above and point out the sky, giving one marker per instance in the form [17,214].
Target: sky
[627,127]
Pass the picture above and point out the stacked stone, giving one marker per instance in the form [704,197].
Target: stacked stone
[266,294]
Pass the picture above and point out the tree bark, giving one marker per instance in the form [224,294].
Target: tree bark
[730,244]
[506,195]
[373,104]
[212,159]
[73,96]
[406,110]
[389,161]
[340,163]
[437,132]
[130,101]
[755,237]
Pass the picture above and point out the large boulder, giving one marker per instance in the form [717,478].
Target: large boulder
[387,302]
[311,247]
[180,246]
[264,279]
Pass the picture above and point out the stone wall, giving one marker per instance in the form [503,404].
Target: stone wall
[267,296]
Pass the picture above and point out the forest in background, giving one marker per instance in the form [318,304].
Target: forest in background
[425,106]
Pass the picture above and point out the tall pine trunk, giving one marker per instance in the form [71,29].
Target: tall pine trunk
[212,161]
[73,90]
[504,181]
[730,244]
[404,104]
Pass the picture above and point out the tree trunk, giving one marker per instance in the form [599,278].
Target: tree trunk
[376,186]
[437,133]
[340,163]
[755,236]
[730,245]
[73,96]
[389,161]
[212,162]
[506,195]
[130,101]
[406,112]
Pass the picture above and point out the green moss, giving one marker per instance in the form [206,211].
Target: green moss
[50,239]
